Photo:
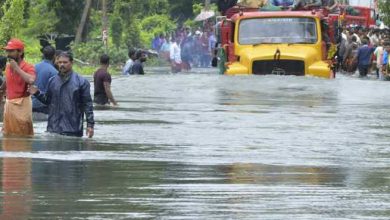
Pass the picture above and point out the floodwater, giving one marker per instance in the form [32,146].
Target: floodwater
[206,146]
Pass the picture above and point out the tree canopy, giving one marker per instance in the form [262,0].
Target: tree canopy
[384,6]
[127,18]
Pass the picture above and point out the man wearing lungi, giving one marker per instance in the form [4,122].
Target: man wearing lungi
[18,106]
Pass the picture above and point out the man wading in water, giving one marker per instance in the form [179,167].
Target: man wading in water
[18,106]
[102,80]
[68,98]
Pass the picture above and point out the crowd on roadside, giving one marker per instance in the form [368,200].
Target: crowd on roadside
[186,48]
[365,51]
[183,49]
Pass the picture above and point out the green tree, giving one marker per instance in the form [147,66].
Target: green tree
[68,13]
[384,6]
[155,25]
[182,10]
[12,19]
[116,31]
[41,20]
[132,12]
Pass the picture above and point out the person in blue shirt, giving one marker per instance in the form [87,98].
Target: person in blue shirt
[129,64]
[385,63]
[364,58]
[44,70]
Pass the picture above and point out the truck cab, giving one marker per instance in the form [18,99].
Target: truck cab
[280,43]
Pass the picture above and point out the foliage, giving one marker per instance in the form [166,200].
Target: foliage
[32,50]
[384,6]
[116,31]
[132,34]
[12,19]
[41,19]
[132,24]
[68,13]
[156,25]
[90,53]
[95,26]
[132,14]
[182,10]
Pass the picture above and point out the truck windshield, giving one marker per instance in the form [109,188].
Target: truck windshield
[277,30]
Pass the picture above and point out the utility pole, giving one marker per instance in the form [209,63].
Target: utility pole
[105,26]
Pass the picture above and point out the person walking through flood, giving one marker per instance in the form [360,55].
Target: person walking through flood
[385,60]
[69,99]
[17,118]
[379,60]
[44,71]
[102,82]
[350,56]
[138,67]
[175,56]
[364,56]
[129,64]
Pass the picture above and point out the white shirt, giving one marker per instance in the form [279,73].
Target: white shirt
[127,68]
[175,53]
[357,38]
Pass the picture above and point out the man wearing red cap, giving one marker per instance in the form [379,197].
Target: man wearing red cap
[18,106]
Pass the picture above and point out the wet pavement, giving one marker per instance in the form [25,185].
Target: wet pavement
[206,146]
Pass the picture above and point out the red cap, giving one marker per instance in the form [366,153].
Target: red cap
[14,44]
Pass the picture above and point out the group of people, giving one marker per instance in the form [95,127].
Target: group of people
[50,87]
[366,51]
[135,63]
[186,49]
[331,5]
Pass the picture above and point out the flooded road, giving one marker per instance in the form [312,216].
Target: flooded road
[206,146]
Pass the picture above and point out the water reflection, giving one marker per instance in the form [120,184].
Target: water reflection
[16,180]
[284,175]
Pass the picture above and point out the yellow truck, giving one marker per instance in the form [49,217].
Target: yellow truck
[274,42]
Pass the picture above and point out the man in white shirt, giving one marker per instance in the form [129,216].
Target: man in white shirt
[175,56]
[129,64]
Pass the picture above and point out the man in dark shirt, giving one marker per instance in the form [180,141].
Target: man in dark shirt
[102,82]
[138,68]
[364,58]
[69,99]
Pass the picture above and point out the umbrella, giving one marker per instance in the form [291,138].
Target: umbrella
[204,15]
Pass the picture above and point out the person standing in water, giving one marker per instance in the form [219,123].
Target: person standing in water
[17,118]
[69,100]
[102,81]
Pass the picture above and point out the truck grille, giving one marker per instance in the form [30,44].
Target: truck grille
[279,67]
